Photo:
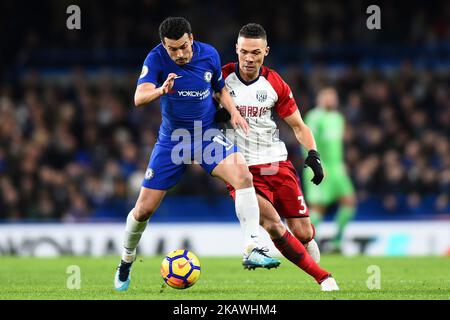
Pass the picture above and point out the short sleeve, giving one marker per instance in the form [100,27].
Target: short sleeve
[228,69]
[151,69]
[285,105]
[217,82]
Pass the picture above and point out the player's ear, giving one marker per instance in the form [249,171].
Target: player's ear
[236,48]
[267,51]
[191,38]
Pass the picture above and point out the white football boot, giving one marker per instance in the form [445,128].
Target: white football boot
[329,284]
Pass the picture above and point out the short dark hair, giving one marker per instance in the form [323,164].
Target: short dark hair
[174,28]
[253,31]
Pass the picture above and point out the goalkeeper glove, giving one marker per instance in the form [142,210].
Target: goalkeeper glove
[313,161]
[222,115]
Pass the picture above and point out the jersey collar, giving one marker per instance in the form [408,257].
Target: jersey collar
[247,83]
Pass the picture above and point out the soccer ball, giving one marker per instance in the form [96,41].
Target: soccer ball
[180,269]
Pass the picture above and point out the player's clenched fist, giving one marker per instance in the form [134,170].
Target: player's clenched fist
[168,84]
[238,121]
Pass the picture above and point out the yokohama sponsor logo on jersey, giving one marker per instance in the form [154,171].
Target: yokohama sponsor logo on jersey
[252,111]
[195,94]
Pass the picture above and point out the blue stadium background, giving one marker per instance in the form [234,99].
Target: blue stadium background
[73,147]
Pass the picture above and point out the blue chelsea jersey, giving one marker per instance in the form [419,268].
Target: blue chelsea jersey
[191,98]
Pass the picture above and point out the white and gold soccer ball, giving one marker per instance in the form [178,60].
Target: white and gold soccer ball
[180,269]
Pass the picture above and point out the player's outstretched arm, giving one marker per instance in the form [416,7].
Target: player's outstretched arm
[301,130]
[147,92]
[228,103]
[305,137]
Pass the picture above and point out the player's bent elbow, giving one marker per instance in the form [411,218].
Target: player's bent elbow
[137,103]
[138,100]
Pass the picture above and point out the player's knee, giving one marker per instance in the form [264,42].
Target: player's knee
[243,180]
[304,234]
[143,211]
[247,179]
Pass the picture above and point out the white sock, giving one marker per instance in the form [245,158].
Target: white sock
[247,211]
[133,233]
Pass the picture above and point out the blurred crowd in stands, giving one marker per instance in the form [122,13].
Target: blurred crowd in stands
[76,149]
[397,134]
[122,24]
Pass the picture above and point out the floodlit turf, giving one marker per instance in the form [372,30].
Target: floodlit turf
[225,279]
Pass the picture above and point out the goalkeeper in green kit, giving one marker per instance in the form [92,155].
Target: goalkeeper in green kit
[328,126]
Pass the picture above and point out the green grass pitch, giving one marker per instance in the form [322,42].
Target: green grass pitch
[225,279]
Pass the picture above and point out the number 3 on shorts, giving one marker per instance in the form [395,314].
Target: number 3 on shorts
[302,205]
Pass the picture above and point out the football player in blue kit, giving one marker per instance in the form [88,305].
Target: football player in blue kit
[185,74]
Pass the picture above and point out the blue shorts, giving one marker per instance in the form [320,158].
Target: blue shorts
[169,158]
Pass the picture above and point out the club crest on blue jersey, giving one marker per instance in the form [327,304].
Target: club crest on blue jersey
[261,95]
[149,173]
[207,76]
[144,72]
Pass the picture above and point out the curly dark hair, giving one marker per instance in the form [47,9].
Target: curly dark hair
[174,28]
[253,31]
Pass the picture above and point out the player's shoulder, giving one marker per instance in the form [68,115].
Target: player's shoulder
[156,52]
[205,48]
[271,75]
[267,72]
[228,69]
[275,80]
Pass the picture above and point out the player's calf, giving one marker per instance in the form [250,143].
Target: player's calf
[275,228]
[304,231]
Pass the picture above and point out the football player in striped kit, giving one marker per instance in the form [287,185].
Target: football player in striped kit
[258,92]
